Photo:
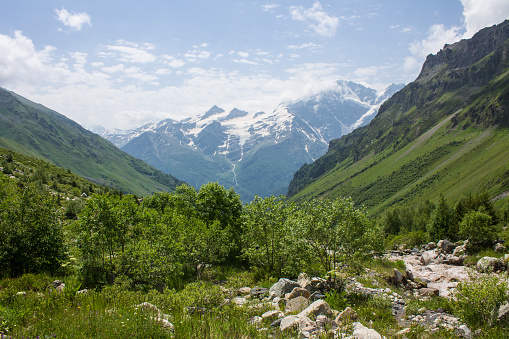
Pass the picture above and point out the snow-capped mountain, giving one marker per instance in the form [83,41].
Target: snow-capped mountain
[256,153]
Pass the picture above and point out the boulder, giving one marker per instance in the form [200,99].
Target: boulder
[490,264]
[362,332]
[429,291]
[298,292]
[319,307]
[304,282]
[397,277]
[296,304]
[447,246]
[428,257]
[270,316]
[258,291]
[499,248]
[346,316]
[282,287]
[503,313]
[464,332]
[431,246]
[245,290]
[460,250]
[295,322]
[456,261]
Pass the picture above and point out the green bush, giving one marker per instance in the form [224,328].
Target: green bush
[478,300]
[478,228]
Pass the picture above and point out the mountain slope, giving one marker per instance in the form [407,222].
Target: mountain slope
[256,153]
[446,132]
[27,126]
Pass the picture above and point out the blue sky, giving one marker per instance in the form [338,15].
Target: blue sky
[121,64]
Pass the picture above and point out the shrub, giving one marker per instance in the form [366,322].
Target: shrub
[478,300]
[478,227]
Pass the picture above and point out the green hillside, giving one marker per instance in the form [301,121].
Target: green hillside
[35,130]
[447,132]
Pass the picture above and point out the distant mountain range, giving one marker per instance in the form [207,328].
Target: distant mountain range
[256,153]
[35,130]
[446,132]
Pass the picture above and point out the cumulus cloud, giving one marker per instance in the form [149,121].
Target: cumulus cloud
[477,15]
[482,13]
[20,61]
[73,20]
[321,22]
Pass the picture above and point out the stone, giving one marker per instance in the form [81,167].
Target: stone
[429,291]
[296,304]
[447,246]
[459,251]
[316,295]
[239,301]
[270,316]
[499,248]
[397,277]
[428,257]
[298,292]
[245,290]
[403,332]
[304,282]
[362,332]
[296,322]
[283,286]
[503,313]
[346,316]
[255,320]
[146,306]
[258,291]
[464,331]
[431,246]
[456,261]
[319,307]
[409,275]
[489,264]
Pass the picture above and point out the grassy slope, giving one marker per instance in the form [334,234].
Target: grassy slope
[50,136]
[464,152]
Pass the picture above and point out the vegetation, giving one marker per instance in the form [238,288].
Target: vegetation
[127,251]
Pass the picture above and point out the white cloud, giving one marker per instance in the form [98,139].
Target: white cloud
[163,71]
[20,62]
[243,54]
[482,13]
[196,55]
[245,61]
[309,45]
[319,21]
[130,52]
[477,15]
[269,7]
[73,20]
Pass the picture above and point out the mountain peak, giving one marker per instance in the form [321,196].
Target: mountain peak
[213,111]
